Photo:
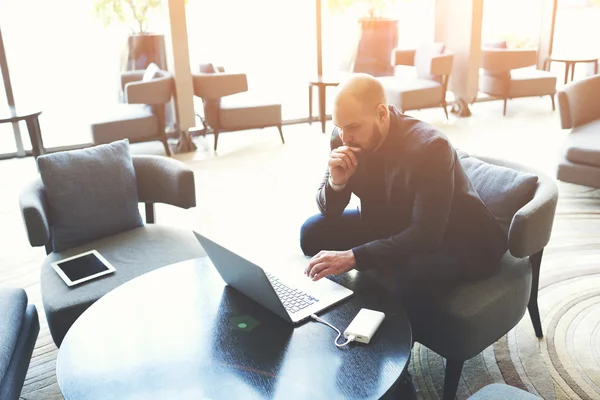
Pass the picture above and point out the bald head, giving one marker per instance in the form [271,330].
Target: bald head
[363,90]
[361,113]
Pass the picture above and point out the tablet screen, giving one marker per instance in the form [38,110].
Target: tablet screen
[82,267]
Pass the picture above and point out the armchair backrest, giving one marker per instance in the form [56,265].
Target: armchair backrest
[212,86]
[531,226]
[577,102]
[502,61]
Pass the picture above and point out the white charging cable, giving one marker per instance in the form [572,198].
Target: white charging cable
[350,337]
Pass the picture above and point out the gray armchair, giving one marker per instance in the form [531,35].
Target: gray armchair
[461,324]
[228,106]
[505,75]
[580,112]
[433,64]
[142,117]
[133,252]
[19,329]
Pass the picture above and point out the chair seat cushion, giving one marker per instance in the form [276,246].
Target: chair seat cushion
[583,144]
[246,111]
[132,253]
[465,321]
[411,94]
[531,82]
[13,303]
[498,391]
[132,121]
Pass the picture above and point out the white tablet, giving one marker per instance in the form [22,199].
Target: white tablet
[82,267]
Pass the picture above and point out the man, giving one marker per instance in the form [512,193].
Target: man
[420,216]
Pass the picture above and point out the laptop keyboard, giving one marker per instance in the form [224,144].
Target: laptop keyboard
[293,300]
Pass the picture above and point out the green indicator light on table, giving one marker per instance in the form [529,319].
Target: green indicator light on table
[242,325]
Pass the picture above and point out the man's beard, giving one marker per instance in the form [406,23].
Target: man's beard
[374,140]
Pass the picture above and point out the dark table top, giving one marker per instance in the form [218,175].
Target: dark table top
[14,114]
[174,333]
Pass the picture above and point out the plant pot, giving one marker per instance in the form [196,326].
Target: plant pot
[143,49]
[378,38]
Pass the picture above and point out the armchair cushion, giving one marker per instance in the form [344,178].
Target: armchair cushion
[423,59]
[503,190]
[412,94]
[81,212]
[133,253]
[132,121]
[526,82]
[246,111]
[151,72]
[583,144]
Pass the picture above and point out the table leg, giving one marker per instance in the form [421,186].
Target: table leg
[35,136]
[322,115]
[596,68]
[573,71]
[567,68]
[310,103]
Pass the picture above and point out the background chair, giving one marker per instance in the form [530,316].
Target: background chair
[133,252]
[474,315]
[579,104]
[433,65]
[228,106]
[505,74]
[143,116]
[19,329]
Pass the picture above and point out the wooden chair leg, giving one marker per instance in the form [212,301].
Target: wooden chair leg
[166,145]
[216,139]
[553,104]
[445,107]
[281,134]
[451,379]
[505,101]
[534,311]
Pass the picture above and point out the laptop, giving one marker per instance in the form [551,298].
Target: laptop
[293,298]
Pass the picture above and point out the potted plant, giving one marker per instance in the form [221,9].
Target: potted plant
[378,34]
[143,47]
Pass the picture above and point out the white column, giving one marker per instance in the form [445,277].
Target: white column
[179,63]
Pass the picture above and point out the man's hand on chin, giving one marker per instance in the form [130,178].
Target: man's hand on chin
[330,263]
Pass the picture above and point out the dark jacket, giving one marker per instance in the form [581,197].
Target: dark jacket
[416,197]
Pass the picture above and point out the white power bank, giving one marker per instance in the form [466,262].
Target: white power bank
[364,325]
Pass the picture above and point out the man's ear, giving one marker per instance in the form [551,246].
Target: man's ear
[382,112]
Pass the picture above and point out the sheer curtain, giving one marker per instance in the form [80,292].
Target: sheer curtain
[272,41]
[63,60]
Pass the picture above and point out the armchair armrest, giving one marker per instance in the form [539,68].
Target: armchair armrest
[164,180]
[502,60]
[215,86]
[442,64]
[131,76]
[403,57]
[576,104]
[34,210]
[157,91]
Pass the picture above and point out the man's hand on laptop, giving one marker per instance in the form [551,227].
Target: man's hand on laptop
[327,263]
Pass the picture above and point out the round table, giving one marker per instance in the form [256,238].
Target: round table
[30,116]
[570,63]
[180,332]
